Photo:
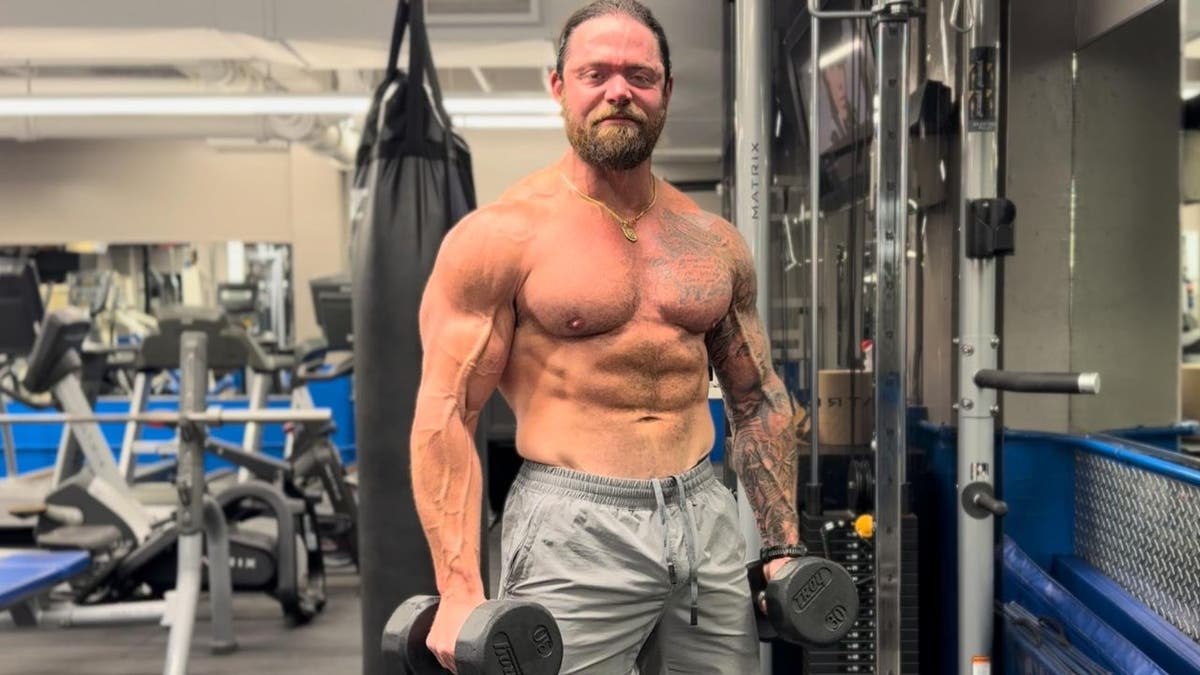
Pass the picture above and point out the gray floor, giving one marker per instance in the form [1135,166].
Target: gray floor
[330,644]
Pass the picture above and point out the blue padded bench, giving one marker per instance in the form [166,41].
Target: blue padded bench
[1027,584]
[1159,639]
[24,573]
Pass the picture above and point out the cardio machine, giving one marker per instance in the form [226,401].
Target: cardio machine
[332,305]
[92,508]
[311,469]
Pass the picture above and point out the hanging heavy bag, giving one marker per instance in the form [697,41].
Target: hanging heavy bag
[417,177]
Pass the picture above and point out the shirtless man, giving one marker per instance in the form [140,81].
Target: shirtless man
[595,296]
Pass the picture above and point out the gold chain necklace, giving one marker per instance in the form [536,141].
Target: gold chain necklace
[626,223]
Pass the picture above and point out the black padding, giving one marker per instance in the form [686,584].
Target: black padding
[229,346]
[312,349]
[159,541]
[417,177]
[76,493]
[160,351]
[86,537]
[20,306]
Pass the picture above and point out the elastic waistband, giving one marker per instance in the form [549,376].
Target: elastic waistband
[626,492]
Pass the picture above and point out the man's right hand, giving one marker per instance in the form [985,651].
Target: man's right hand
[452,613]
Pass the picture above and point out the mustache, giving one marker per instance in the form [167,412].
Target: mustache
[621,114]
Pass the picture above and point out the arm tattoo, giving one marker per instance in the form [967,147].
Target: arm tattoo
[764,450]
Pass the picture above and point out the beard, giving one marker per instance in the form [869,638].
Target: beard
[615,147]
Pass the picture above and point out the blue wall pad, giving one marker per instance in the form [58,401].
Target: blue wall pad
[1035,646]
[338,396]
[37,444]
[1029,585]
[1159,639]
[1167,437]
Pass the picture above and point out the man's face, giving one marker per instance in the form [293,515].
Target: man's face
[835,77]
[613,92]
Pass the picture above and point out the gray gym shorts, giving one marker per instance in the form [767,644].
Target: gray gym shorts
[642,576]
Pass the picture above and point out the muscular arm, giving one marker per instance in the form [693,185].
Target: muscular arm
[466,323]
[764,453]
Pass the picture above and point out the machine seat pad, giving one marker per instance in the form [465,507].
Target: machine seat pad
[86,537]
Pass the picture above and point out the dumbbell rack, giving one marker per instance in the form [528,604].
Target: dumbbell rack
[856,652]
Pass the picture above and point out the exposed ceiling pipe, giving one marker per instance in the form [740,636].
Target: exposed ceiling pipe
[42,128]
[225,76]
[327,136]
[323,136]
[338,141]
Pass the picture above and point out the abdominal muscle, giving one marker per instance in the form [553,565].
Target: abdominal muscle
[606,407]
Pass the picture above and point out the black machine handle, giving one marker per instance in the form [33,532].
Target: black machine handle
[311,372]
[1039,383]
[312,349]
[991,504]
[264,467]
[11,386]
[979,501]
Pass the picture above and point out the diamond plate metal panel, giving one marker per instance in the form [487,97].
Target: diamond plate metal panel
[1143,530]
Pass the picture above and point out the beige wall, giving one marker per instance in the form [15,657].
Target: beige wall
[320,231]
[152,191]
[140,191]
[502,157]
[1189,217]
[125,191]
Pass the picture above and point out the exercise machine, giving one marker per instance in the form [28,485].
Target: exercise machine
[190,515]
[278,561]
[90,499]
[22,312]
[332,305]
[311,468]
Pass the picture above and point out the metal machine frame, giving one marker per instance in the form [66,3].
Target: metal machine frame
[985,233]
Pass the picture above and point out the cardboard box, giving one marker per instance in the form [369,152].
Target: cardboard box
[846,407]
[1189,389]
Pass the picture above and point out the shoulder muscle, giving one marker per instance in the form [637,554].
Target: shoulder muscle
[480,261]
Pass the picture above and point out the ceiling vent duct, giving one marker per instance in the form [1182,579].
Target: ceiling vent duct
[483,11]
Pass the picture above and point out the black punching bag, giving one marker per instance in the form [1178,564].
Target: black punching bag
[417,177]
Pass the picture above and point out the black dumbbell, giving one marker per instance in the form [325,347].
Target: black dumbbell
[499,637]
[809,601]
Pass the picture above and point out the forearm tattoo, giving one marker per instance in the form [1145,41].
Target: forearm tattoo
[764,450]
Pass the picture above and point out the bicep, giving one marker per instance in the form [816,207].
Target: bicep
[737,345]
[465,350]
[466,324]
[736,349]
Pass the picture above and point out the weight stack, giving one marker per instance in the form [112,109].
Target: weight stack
[856,652]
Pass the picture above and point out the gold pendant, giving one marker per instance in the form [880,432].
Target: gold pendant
[630,234]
